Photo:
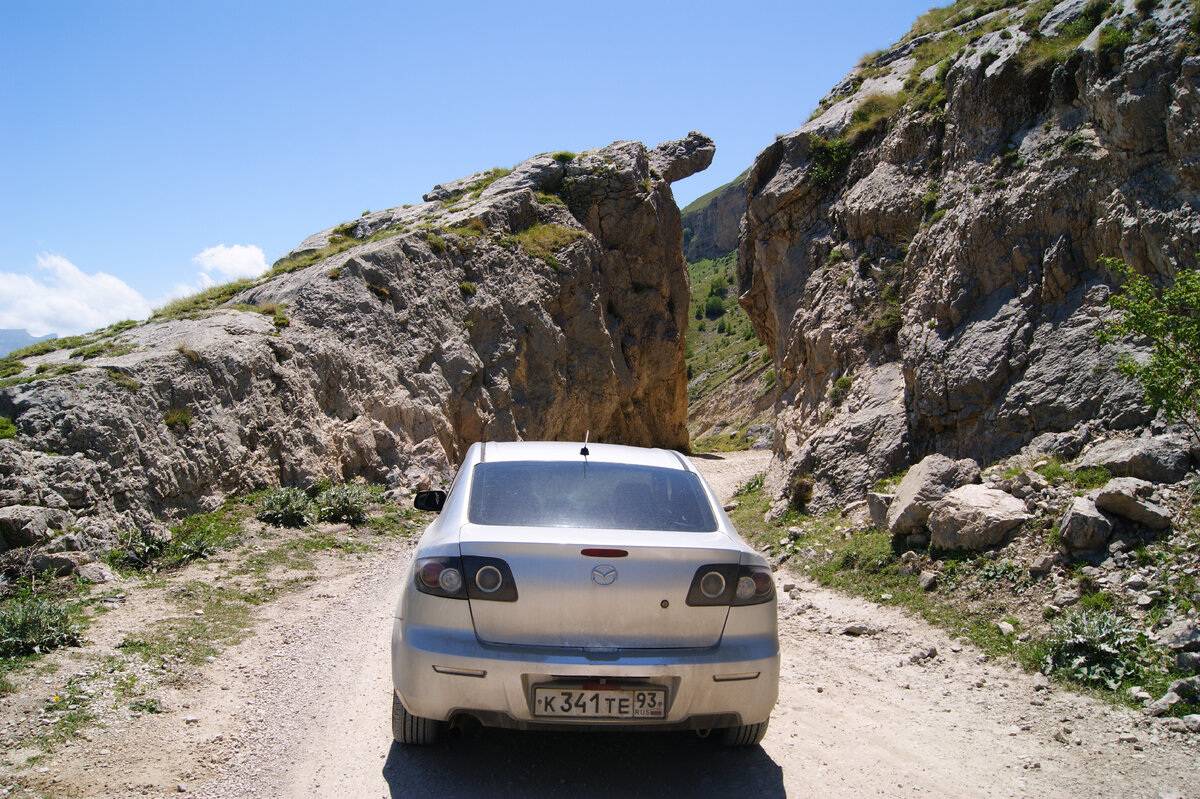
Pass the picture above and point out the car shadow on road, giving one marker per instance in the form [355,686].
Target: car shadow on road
[543,764]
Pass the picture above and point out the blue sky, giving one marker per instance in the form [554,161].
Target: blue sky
[152,148]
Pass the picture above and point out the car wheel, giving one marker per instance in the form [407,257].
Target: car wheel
[745,735]
[410,729]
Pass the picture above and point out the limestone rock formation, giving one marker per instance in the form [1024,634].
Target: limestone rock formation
[712,222]
[941,218]
[538,303]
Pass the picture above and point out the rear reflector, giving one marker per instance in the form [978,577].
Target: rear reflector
[604,553]
[749,675]
[460,672]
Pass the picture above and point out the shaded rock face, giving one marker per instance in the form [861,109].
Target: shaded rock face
[539,304]
[712,223]
[959,245]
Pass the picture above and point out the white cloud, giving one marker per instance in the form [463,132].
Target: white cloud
[65,300]
[218,265]
[230,263]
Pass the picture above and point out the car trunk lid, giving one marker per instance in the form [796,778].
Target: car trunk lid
[569,599]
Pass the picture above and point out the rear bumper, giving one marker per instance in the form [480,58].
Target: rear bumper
[440,673]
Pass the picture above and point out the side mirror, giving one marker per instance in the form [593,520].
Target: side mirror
[429,500]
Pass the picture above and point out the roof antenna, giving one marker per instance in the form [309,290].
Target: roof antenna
[584,450]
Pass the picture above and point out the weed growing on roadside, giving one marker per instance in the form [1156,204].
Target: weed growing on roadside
[33,624]
[1093,646]
[286,507]
[343,503]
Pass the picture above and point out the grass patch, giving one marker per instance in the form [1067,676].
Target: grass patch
[872,115]
[543,240]
[564,157]
[190,638]
[1043,50]
[8,428]
[107,348]
[197,537]
[196,304]
[734,441]
[468,288]
[271,309]
[123,380]
[178,417]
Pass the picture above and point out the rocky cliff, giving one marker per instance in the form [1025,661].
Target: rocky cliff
[535,303]
[922,256]
[711,223]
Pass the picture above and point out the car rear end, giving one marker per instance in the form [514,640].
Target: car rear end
[539,599]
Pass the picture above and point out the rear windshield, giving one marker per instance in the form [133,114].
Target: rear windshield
[579,494]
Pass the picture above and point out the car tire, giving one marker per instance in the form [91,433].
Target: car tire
[410,729]
[745,735]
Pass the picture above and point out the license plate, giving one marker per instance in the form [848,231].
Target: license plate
[615,703]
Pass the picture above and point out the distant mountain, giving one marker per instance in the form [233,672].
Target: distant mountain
[15,338]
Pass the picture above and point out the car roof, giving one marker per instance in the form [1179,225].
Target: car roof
[491,451]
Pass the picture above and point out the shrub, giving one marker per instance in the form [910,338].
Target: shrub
[1111,48]
[286,507]
[713,306]
[887,320]
[563,157]
[435,242]
[1170,319]
[1085,23]
[8,428]
[468,288]
[1146,7]
[1093,646]
[839,389]
[178,416]
[830,157]
[343,503]
[35,624]
[929,201]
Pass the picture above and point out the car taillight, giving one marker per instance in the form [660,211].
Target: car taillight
[468,576]
[730,584]
[440,577]
[489,578]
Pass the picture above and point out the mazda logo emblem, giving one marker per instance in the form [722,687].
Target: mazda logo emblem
[604,575]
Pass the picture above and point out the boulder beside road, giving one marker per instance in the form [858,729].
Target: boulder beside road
[975,517]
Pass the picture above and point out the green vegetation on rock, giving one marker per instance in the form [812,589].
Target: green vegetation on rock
[1169,319]
[543,240]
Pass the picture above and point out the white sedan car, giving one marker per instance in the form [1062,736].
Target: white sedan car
[567,586]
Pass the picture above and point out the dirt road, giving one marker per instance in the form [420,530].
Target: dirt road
[302,710]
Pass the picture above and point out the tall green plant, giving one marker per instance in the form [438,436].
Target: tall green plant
[1170,319]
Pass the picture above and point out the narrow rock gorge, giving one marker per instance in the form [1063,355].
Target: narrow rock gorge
[922,256]
[540,302]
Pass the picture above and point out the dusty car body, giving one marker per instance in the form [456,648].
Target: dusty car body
[573,586]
